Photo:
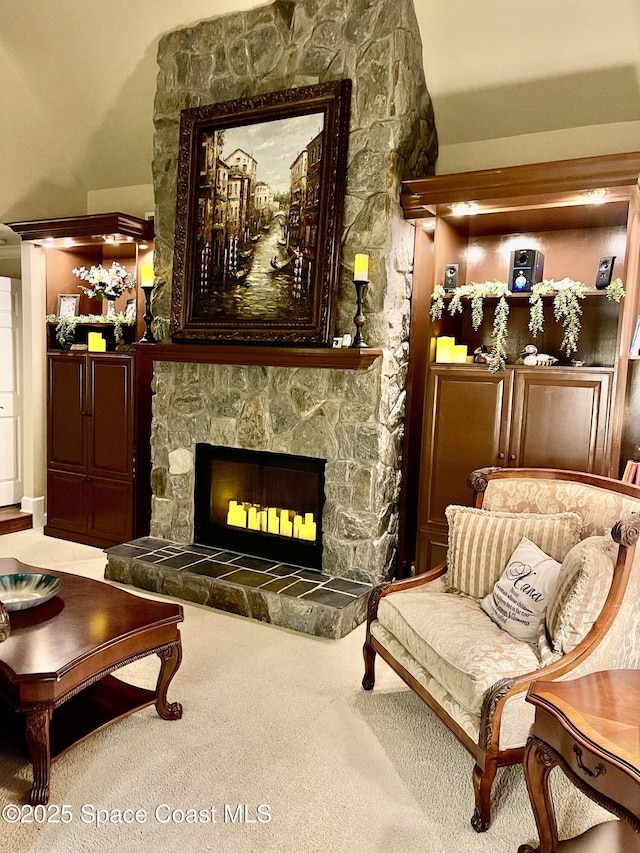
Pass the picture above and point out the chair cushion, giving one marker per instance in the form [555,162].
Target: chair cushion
[583,585]
[481,542]
[520,596]
[454,640]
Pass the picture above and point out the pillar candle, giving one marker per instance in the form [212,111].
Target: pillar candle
[361,268]
[297,523]
[308,531]
[460,353]
[444,349]
[146,275]
[252,519]
[286,527]
[95,342]
[233,506]
[273,523]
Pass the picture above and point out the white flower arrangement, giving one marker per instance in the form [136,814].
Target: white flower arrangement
[105,283]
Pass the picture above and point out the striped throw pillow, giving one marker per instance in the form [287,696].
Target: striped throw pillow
[481,543]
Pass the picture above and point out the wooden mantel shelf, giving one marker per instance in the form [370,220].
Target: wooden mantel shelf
[340,358]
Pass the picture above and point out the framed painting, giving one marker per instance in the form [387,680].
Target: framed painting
[259,217]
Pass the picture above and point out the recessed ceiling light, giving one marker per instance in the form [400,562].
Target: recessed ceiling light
[596,196]
[464,208]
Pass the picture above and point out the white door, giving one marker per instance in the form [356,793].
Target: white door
[10,403]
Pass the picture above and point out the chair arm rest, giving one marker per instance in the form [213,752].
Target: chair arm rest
[575,663]
[626,531]
[388,587]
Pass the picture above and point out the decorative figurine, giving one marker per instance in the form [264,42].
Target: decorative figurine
[532,358]
[481,355]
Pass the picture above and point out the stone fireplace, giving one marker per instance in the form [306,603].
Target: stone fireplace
[306,412]
[343,411]
[266,504]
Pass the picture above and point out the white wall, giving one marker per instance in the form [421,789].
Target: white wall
[563,144]
[136,201]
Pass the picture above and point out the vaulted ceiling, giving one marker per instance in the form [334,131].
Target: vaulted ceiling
[78,82]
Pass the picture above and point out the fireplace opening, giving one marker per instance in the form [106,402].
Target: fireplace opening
[261,503]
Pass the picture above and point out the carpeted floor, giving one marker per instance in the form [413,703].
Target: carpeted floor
[274,722]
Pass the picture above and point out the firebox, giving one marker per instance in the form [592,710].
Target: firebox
[261,503]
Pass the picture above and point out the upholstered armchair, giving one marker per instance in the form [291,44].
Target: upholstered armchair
[446,632]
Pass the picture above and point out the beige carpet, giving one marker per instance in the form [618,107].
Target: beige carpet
[271,718]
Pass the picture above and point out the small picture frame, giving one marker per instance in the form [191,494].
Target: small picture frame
[130,309]
[68,304]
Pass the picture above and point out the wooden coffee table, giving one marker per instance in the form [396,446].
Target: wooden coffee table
[55,667]
[590,727]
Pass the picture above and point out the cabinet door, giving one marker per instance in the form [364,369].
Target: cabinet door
[466,425]
[110,510]
[110,447]
[467,416]
[66,412]
[560,419]
[66,503]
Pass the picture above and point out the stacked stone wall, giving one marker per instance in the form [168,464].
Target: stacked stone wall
[354,419]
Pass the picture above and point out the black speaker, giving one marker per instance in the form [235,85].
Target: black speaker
[450,276]
[605,271]
[526,269]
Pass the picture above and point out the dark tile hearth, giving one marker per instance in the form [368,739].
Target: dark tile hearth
[285,595]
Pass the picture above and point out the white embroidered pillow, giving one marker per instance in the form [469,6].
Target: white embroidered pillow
[583,586]
[520,596]
[481,542]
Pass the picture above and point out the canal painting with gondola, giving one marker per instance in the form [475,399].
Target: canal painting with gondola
[257,220]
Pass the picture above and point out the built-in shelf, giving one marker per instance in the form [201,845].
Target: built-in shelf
[86,229]
[339,358]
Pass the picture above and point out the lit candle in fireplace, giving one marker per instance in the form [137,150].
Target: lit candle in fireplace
[262,520]
[236,515]
[297,524]
[273,524]
[253,522]
[286,527]
[308,528]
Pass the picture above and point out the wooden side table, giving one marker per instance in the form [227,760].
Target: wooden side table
[590,727]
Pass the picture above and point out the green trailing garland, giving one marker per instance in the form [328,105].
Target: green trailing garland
[66,326]
[567,310]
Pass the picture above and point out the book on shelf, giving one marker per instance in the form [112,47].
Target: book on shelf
[631,473]
[634,349]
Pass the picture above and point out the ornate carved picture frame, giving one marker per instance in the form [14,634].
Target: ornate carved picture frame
[259,217]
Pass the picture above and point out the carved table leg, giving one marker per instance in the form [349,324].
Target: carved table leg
[37,729]
[171,656]
[539,761]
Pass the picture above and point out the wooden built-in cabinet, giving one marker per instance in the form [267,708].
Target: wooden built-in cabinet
[98,403]
[461,416]
[91,464]
[516,418]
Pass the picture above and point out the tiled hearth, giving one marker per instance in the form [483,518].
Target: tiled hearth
[282,594]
